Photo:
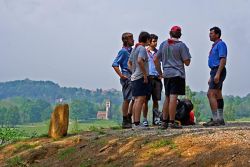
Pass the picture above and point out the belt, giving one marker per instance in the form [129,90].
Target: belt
[153,77]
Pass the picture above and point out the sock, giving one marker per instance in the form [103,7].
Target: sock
[137,123]
[220,103]
[125,118]
[214,115]
[144,119]
[171,121]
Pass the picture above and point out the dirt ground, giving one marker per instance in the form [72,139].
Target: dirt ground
[191,146]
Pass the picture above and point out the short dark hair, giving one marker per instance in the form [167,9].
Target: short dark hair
[216,30]
[125,37]
[153,36]
[175,34]
[144,36]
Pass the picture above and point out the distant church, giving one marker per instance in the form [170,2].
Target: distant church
[104,114]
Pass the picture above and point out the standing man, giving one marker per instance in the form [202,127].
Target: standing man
[216,61]
[155,83]
[138,63]
[173,54]
[124,73]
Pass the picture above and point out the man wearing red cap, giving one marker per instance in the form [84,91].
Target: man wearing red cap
[173,54]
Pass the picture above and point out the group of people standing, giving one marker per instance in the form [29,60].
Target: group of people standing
[141,70]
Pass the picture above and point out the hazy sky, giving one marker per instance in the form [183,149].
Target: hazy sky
[73,42]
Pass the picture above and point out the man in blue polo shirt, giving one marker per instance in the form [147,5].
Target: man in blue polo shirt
[216,61]
[124,73]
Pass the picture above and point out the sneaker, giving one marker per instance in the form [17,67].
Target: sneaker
[140,127]
[212,123]
[126,125]
[157,121]
[221,122]
[145,123]
[174,125]
[164,125]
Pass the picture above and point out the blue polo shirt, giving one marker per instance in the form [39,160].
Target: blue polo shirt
[122,60]
[151,64]
[218,51]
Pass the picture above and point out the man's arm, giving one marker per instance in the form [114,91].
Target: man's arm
[222,65]
[158,66]
[117,70]
[141,65]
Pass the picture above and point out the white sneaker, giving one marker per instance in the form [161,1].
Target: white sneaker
[140,127]
[145,123]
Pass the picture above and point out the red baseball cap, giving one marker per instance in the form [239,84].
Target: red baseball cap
[175,29]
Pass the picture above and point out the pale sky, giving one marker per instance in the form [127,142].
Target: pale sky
[74,42]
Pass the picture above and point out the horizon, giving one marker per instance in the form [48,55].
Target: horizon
[61,86]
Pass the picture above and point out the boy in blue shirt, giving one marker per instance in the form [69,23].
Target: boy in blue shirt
[124,73]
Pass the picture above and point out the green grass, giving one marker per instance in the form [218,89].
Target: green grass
[163,143]
[41,129]
[21,147]
[65,153]
[15,161]
[245,119]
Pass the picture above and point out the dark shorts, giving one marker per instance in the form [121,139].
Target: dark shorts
[139,88]
[174,86]
[219,85]
[156,88]
[126,89]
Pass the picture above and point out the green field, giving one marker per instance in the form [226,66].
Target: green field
[43,127]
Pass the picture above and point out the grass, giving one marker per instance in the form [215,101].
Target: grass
[163,143]
[244,119]
[21,147]
[87,163]
[41,129]
[66,152]
[15,161]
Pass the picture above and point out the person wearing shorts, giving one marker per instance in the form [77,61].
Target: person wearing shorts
[124,73]
[155,84]
[138,63]
[173,54]
[216,61]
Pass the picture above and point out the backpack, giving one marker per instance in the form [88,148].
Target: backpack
[183,109]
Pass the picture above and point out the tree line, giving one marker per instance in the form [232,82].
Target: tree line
[26,101]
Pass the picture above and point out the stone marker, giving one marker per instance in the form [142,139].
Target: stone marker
[59,121]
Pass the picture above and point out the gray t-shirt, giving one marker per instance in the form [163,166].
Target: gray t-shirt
[139,51]
[172,57]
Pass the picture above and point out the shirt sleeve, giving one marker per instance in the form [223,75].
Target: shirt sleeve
[143,53]
[159,52]
[185,54]
[222,49]
[119,58]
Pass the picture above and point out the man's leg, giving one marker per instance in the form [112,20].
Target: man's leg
[145,113]
[212,98]
[165,112]
[125,122]
[172,107]
[130,111]
[220,106]
[139,101]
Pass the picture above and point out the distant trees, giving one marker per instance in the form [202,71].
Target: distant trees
[29,101]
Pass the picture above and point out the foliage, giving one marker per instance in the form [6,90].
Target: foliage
[11,134]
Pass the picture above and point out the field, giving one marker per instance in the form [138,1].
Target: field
[42,128]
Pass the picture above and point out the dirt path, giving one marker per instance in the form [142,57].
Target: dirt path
[192,146]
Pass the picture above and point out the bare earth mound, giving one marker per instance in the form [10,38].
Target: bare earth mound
[192,146]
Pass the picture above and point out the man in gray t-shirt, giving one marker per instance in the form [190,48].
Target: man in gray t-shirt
[138,64]
[173,54]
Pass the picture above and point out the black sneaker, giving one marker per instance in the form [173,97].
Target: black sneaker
[174,125]
[126,125]
[212,123]
[164,125]
[221,122]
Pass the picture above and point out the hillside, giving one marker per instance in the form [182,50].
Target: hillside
[191,146]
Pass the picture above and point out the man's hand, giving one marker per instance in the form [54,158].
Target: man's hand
[123,77]
[208,82]
[216,78]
